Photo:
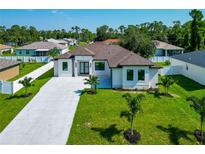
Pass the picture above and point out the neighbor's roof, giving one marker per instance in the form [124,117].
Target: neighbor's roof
[56,41]
[42,45]
[4,64]
[166,46]
[2,46]
[111,41]
[195,57]
[114,54]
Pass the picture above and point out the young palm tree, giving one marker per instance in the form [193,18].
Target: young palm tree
[166,82]
[134,104]
[199,106]
[93,81]
[54,52]
[26,82]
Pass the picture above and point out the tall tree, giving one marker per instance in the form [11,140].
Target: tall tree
[196,26]
[137,42]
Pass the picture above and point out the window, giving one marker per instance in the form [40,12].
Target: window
[130,75]
[27,52]
[65,66]
[141,75]
[20,52]
[99,66]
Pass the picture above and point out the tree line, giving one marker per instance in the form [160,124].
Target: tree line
[138,38]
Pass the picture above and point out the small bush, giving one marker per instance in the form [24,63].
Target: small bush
[167,62]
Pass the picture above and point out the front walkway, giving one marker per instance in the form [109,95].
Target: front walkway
[48,117]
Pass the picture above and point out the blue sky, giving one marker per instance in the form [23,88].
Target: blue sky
[58,19]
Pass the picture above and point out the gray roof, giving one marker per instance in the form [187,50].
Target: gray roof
[56,41]
[166,46]
[42,45]
[195,57]
[114,54]
[5,64]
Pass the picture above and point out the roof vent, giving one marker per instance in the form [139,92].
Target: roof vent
[190,58]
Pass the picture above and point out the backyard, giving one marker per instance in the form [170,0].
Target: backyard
[164,120]
[26,68]
[11,105]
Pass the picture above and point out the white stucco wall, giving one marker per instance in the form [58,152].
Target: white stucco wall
[117,78]
[106,72]
[79,59]
[153,78]
[135,84]
[193,72]
[56,68]
[60,68]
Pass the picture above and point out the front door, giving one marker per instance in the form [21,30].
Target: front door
[84,68]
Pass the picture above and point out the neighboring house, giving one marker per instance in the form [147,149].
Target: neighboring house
[70,41]
[164,51]
[62,42]
[115,66]
[40,49]
[8,69]
[111,41]
[191,65]
[5,48]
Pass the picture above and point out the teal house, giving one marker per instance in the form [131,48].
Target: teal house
[40,49]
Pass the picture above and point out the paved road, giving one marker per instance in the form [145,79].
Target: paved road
[48,117]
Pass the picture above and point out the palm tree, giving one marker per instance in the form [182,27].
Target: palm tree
[134,105]
[166,82]
[199,106]
[93,81]
[26,82]
[53,52]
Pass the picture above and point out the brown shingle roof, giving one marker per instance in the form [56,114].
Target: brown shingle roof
[114,54]
[4,64]
[2,46]
[42,45]
[166,46]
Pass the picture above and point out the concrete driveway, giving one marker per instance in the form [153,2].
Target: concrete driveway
[48,117]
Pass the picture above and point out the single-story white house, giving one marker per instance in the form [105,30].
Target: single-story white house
[115,66]
[70,41]
[191,65]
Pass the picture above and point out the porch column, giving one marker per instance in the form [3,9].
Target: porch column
[165,53]
[75,68]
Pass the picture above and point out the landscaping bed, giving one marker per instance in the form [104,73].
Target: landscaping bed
[164,120]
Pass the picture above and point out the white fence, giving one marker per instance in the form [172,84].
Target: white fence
[170,70]
[13,87]
[159,59]
[38,59]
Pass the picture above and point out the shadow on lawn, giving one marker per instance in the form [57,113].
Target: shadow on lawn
[186,83]
[109,132]
[18,96]
[175,133]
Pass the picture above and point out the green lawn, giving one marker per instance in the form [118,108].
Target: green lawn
[11,105]
[164,120]
[28,67]
[162,64]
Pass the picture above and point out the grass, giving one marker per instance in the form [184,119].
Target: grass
[28,67]
[162,64]
[164,120]
[11,105]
